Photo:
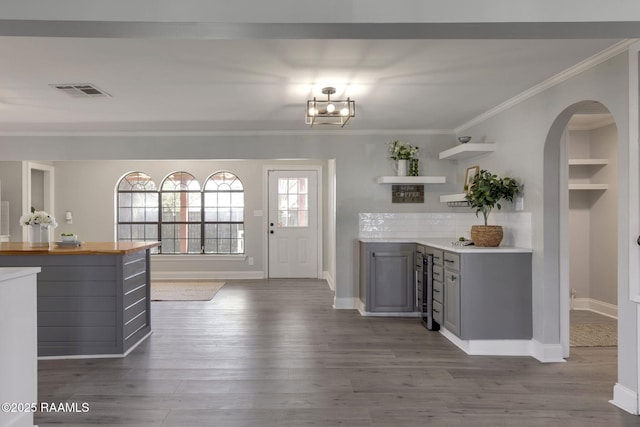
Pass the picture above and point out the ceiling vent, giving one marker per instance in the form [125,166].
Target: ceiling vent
[80,90]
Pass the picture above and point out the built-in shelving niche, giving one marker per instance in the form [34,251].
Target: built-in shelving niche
[582,186]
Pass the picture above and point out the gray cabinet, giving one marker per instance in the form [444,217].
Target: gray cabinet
[437,274]
[90,304]
[387,277]
[486,295]
[452,293]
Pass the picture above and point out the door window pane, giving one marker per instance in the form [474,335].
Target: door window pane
[293,202]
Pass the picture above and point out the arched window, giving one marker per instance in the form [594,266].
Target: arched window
[223,214]
[181,230]
[137,210]
[186,219]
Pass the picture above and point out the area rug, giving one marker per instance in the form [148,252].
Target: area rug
[593,335]
[188,290]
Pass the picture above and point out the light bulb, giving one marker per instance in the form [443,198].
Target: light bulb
[344,111]
[331,108]
[312,111]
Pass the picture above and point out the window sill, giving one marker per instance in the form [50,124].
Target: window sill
[198,257]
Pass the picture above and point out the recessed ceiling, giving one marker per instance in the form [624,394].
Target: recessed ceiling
[262,85]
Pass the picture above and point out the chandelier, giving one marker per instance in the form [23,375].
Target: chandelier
[329,111]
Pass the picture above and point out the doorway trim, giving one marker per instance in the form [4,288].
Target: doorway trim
[49,190]
[265,211]
[556,214]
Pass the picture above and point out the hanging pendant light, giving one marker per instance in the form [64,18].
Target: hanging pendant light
[329,111]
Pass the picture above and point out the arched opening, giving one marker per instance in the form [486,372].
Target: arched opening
[573,198]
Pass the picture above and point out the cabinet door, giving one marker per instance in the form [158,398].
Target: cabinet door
[392,281]
[452,302]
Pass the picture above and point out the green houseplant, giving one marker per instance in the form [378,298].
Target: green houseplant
[403,153]
[485,191]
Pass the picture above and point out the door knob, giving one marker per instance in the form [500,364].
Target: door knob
[271,224]
[638,241]
[271,231]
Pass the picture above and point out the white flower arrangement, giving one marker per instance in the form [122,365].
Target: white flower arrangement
[38,218]
[401,150]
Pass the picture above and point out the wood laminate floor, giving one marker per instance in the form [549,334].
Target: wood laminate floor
[274,353]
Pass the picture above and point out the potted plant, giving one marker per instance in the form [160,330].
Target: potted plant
[39,223]
[402,152]
[485,191]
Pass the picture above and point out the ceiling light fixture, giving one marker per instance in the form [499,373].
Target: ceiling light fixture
[329,111]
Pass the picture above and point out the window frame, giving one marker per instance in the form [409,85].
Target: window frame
[132,191]
[232,223]
[202,223]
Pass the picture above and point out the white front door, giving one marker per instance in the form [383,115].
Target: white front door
[293,224]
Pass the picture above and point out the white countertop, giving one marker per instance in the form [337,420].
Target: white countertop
[8,273]
[447,244]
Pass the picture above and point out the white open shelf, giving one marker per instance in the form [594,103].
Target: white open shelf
[588,162]
[465,151]
[588,186]
[411,180]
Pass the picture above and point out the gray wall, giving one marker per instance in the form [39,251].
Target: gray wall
[604,221]
[593,216]
[529,137]
[360,159]
[92,201]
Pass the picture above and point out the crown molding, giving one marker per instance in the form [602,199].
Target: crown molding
[306,133]
[567,74]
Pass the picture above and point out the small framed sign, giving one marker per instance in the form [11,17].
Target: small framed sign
[407,194]
[468,178]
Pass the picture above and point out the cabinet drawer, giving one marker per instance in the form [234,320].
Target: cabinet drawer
[437,291]
[452,261]
[437,312]
[438,273]
[437,257]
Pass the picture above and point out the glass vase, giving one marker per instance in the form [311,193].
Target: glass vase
[38,236]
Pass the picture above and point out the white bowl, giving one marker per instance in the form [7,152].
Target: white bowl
[69,238]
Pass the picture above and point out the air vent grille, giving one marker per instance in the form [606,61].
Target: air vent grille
[81,90]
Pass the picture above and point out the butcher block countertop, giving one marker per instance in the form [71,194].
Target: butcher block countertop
[86,248]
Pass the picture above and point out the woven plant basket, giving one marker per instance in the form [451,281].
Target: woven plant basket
[486,235]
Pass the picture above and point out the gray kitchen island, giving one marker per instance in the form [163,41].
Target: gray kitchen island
[93,300]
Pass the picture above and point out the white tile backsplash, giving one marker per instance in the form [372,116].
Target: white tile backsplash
[516,225]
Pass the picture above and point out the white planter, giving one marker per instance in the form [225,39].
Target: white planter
[402,167]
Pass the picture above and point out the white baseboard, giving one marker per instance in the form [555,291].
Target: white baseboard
[205,275]
[547,353]
[345,303]
[531,348]
[329,278]
[392,314]
[625,399]
[596,306]
[98,356]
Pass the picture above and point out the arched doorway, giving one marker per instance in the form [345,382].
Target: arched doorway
[557,210]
